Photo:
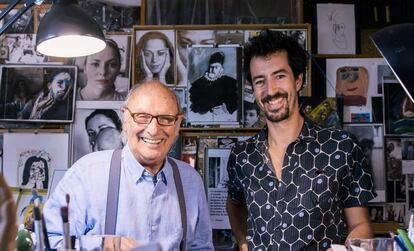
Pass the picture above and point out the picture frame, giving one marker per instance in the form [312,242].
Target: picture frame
[398,112]
[371,140]
[154,55]
[214,101]
[325,111]
[29,159]
[20,49]
[356,81]
[92,73]
[24,208]
[24,24]
[336,28]
[37,93]
[96,127]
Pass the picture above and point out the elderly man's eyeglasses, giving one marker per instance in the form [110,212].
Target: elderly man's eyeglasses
[145,118]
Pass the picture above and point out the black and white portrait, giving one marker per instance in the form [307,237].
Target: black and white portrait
[34,169]
[154,56]
[21,49]
[213,86]
[187,39]
[37,93]
[96,130]
[29,158]
[105,76]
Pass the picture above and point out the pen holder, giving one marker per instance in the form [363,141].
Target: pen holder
[376,244]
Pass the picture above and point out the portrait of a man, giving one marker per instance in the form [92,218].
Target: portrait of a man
[214,95]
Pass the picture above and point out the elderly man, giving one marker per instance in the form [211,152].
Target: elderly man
[149,207]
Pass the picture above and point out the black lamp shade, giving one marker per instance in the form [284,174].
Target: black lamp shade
[69,31]
[396,44]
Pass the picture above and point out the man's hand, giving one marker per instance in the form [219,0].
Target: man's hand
[8,227]
[114,243]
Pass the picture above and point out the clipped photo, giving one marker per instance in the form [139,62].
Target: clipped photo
[105,76]
[214,92]
[96,130]
[29,158]
[154,56]
[37,93]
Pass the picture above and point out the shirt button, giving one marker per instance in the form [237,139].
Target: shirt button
[153,228]
[284,225]
[248,238]
[263,229]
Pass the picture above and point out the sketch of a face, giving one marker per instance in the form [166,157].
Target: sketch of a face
[102,68]
[60,84]
[215,70]
[102,132]
[186,38]
[155,54]
[35,173]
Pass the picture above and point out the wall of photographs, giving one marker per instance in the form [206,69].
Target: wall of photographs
[51,137]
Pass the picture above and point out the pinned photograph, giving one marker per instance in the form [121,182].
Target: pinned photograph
[398,109]
[24,24]
[105,76]
[322,110]
[29,158]
[37,93]
[214,86]
[155,56]
[20,49]
[187,39]
[96,130]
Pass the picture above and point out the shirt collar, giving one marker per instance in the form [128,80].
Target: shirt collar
[308,133]
[141,174]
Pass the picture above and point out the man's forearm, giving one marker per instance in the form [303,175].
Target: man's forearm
[363,230]
[238,221]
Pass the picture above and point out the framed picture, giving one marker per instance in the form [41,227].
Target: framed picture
[24,209]
[393,159]
[398,109]
[371,140]
[105,76]
[336,31]
[29,159]
[37,93]
[154,55]
[356,81]
[324,111]
[113,15]
[376,213]
[95,129]
[214,91]
[24,24]
[20,49]
[216,184]
[395,212]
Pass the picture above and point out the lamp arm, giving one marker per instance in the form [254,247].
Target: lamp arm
[27,5]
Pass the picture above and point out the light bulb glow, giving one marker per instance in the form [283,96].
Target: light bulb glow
[71,46]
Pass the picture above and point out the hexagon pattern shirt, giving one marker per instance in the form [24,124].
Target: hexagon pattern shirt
[324,171]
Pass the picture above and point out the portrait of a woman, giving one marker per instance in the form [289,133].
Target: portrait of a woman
[35,173]
[155,58]
[101,70]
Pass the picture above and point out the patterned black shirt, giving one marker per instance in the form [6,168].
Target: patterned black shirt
[324,171]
